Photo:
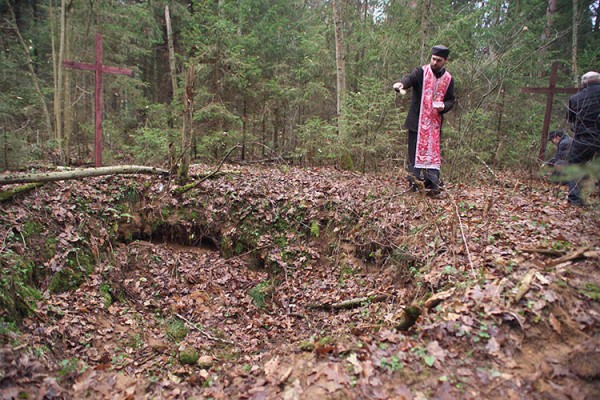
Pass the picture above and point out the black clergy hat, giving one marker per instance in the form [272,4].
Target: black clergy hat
[553,134]
[441,51]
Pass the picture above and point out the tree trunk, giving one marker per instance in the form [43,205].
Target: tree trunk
[186,130]
[59,84]
[171,52]
[80,173]
[340,59]
[550,11]
[34,76]
[499,135]
[275,136]
[424,8]
[67,108]
[574,42]
[244,129]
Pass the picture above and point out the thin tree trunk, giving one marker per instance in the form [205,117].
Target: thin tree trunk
[499,135]
[424,8]
[574,42]
[171,52]
[5,148]
[244,129]
[68,106]
[340,59]
[186,131]
[275,142]
[264,129]
[59,84]
[550,11]
[34,76]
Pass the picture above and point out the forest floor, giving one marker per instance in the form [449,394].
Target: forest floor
[287,283]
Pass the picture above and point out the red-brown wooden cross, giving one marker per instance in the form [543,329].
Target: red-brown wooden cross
[550,91]
[99,69]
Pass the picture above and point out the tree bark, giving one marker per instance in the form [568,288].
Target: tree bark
[499,133]
[574,43]
[171,52]
[550,11]
[186,130]
[340,58]
[424,9]
[80,173]
[67,109]
[9,194]
[59,83]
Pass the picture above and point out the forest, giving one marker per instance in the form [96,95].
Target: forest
[223,212]
[276,79]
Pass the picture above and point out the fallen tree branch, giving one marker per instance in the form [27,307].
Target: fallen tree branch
[203,333]
[9,194]
[579,253]
[348,304]
[80,173]
[550,252]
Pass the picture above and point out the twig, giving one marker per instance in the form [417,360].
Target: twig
[193,325]
[195,185]
[462,233]
[272,151]
[252,251]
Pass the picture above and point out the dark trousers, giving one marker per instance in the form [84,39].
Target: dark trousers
[430,177]
[581,152]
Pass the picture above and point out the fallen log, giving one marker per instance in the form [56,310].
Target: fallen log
[348,304]
[579,253]
[9,194]
[80,173]
[549,252]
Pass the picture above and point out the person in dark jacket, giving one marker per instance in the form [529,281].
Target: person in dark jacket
[583,114]
[562,141]
[432,97]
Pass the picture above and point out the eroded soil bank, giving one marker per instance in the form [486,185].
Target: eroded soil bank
[299,283]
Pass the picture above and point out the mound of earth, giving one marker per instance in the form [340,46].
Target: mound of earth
[298,284]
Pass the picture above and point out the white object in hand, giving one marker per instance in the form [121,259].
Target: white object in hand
[399,87]
[438,105]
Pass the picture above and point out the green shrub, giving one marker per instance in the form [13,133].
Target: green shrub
[176,329]
[189,356]
[18,293]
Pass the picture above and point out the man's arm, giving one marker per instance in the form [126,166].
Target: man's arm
[562,151]
[449,98]
[413,78]
[570,111]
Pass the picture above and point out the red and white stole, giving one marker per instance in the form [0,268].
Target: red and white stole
[430,120]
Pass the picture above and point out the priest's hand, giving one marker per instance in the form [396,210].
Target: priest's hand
[439,106]
[399,87]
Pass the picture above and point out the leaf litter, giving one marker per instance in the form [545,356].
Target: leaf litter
[228,274]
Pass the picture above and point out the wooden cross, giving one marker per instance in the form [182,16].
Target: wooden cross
[550,91]
[99,69]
